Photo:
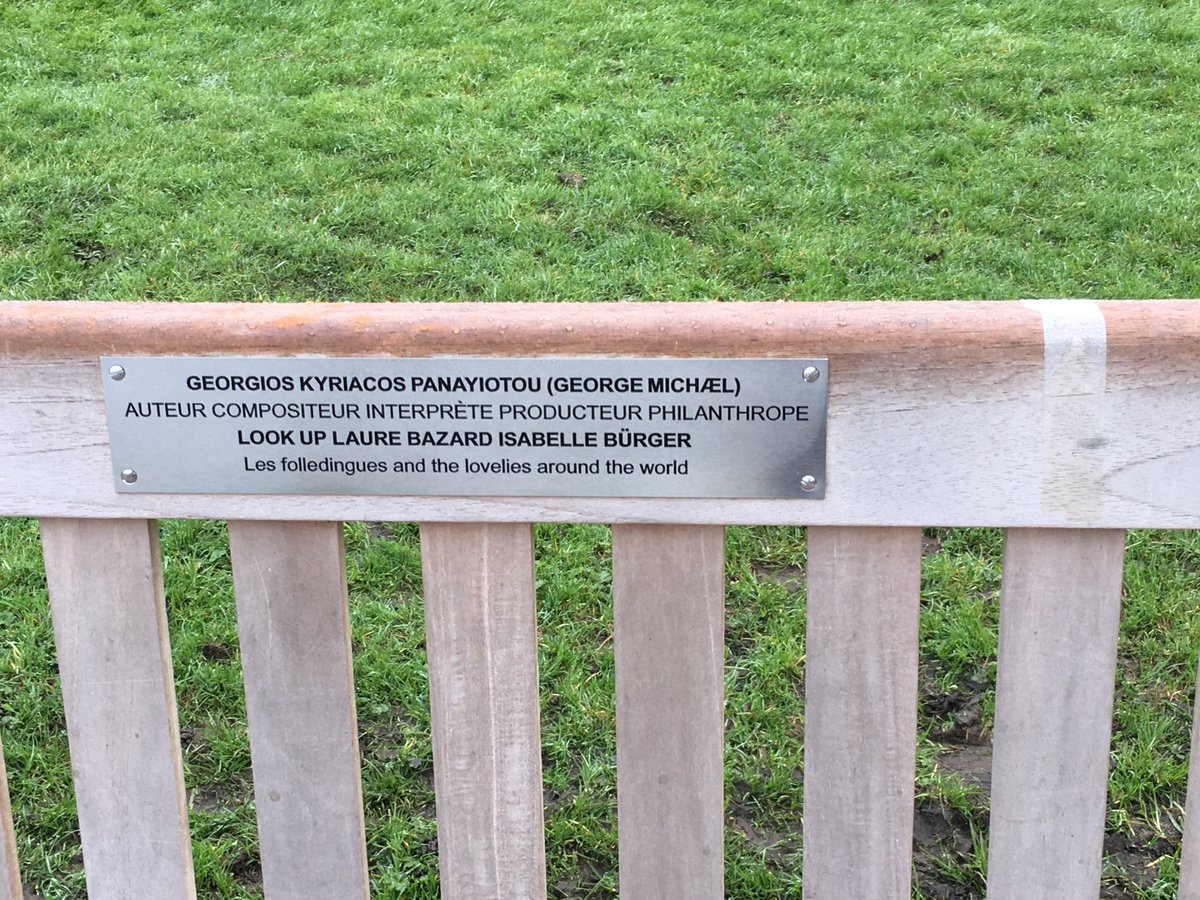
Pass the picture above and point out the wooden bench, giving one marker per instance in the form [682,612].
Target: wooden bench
[1063,422]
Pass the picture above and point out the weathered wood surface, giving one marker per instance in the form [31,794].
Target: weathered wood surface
[10,874]
[1189,854]
[938,413]
[940,331]
[481,635]
[668,611]
[110,627]
[1060,608]
[294,628]
[860,711]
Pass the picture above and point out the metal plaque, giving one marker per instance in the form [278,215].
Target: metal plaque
[547,427]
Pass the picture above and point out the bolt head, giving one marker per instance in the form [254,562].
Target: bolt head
[116,373]
[808,483]
[128,476]
[811,374]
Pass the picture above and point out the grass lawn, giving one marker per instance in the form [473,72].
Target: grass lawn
[523,150]
[527,149]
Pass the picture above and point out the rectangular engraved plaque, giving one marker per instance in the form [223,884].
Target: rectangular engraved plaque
[536,427]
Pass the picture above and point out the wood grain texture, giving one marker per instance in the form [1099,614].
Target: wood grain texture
[860,711]
[294,628]
[947,330]
[1189,854]
[110,627]
[1060,607]
[481,635]
[668,612]
[10,874]
[512,329]
[969,434]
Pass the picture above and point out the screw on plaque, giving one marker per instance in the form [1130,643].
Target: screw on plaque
[811,373]
[128,476]
[116,373]
[808,483]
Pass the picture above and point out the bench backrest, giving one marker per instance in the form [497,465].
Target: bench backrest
[1065,422]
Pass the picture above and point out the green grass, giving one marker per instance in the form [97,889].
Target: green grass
[522,149]
[372,150]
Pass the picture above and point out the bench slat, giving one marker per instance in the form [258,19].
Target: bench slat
[860,711]
[294,628]
[668,610]
[481,634]
[10,874]
[110,626]
[1189,853]
[1059,613]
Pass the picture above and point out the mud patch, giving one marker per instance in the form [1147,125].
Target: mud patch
[214,799]
[1132,860]
[88,253]
[379,531]
[972,763]
[793,578]
[215,651]
[931,543]
[955,715]
[246,870]
[942,842]
[583,882]
[778,848]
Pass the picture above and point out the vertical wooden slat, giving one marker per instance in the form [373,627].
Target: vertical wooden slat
[669,644]
[1059,612]
[294,627]
[481,635]
[860,711]
[10,875]
[1189,854]
[110,626]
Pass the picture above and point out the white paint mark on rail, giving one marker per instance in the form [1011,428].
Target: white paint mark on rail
[1073,407]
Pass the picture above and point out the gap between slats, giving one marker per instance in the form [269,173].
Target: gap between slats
[481,635]
[668,612]
[860,711]
[110,627]
[1059,614]
[294,630]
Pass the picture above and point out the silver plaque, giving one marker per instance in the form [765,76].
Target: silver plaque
[548,427]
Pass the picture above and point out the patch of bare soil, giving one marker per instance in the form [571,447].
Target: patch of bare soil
[956,713]
[583,882]
[1132,861]
[246,870]
[791,577]
[215,651]
[213,798]
[780,849]
[931,544]
[972,763]
[940,837]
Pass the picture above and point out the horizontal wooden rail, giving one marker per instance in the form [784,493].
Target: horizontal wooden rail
[936,332]
[939,414]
